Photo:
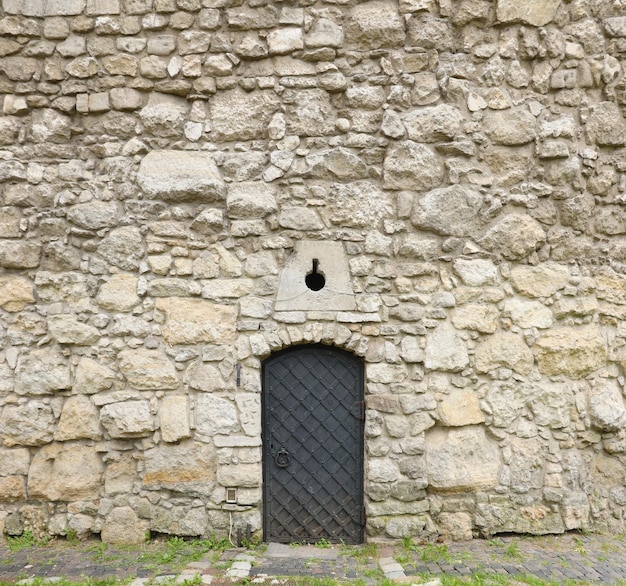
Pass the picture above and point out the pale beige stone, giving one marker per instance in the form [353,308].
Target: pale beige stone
[119,293]
[504,350]
[65,472]
[31,424]
[148,369]
[92,377]
[533,12]
[12,489]
[15,293]
[476,316]
[461,459]
[539,281]
[515,236]
[573,352]
[42,372]
[178,465]
[128,419]
[528,314]
[445,350]
[66,329]
[190,321]
[79,420]
[123,526]
[460,407]
[174,418]
[374,25]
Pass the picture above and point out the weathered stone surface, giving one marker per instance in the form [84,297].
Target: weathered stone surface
[128,419]
[250,199]
[41,372]
[92,377]
[373,25]
[66,329]
[216,415]
[504,350]
[94,215]
[148,369]
[533,12]
[122,525]
[445,350]
[30,424]
[574,352]
[174,418]
[65,472]
[181,176]
[448,211]
[79,420]
[409,165]
[606,407]
[461,459]
[539,281]
[15,293]
[476,272]
[237,115]
[510,127]
[476,316]
[14,461]
[19,254]
[179,520]
[502,516]
[434,123]
[119,293]
[528,314]
[514,237]
[606,126]
[190,321]
[460,408]
[188,465]
[123,248]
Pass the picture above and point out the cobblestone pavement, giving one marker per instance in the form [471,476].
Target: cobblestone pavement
[584,558]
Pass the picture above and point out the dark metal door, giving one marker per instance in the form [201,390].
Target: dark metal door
[313,445]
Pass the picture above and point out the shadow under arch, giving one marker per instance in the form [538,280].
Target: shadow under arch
[313,445]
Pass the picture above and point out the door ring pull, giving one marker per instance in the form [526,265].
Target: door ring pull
[283,458]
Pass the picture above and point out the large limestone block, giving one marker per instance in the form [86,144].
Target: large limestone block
[192,321]
[244,475]
[19,254]
[514,237]
[251,199]
[606,407]
[476,272]
[163,115]
[41,372]
[459,408]
[448,211]
[174,418]
[14,461]
[205,377]
[533,12]
[505,402]
[79,420]
[123,526]
[12,489]
[551,405]
[476,316]
[120,473]
[610,285]
[310,113]
[94,215]
[374,25]
[186,466]
[179,520]
[128,419]
[574,352]
[119,293]
[460,459]
[504,350]
[178,176]
[148,369]
[66,329]
[539,281]
[92,377]
[510,127]
[336,164]
[528,314]
[434,123]
[216,416]
[503,516]
[123,247]
[30,424]
[606,126]
[445,350]
[44,7]
[15,293]
[65,472]
[409,165]
[237,115]
[358,204]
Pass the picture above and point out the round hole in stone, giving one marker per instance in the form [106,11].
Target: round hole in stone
[315,280]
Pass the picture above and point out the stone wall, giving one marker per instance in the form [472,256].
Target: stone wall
[166,166]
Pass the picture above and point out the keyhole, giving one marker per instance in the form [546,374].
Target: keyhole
[314,280]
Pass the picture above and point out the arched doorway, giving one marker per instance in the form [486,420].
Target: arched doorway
[313,414]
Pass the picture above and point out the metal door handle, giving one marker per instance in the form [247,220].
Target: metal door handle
[282,458]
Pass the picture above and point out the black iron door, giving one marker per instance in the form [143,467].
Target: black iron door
[313,445]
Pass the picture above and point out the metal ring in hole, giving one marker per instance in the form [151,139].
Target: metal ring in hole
[283,458]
